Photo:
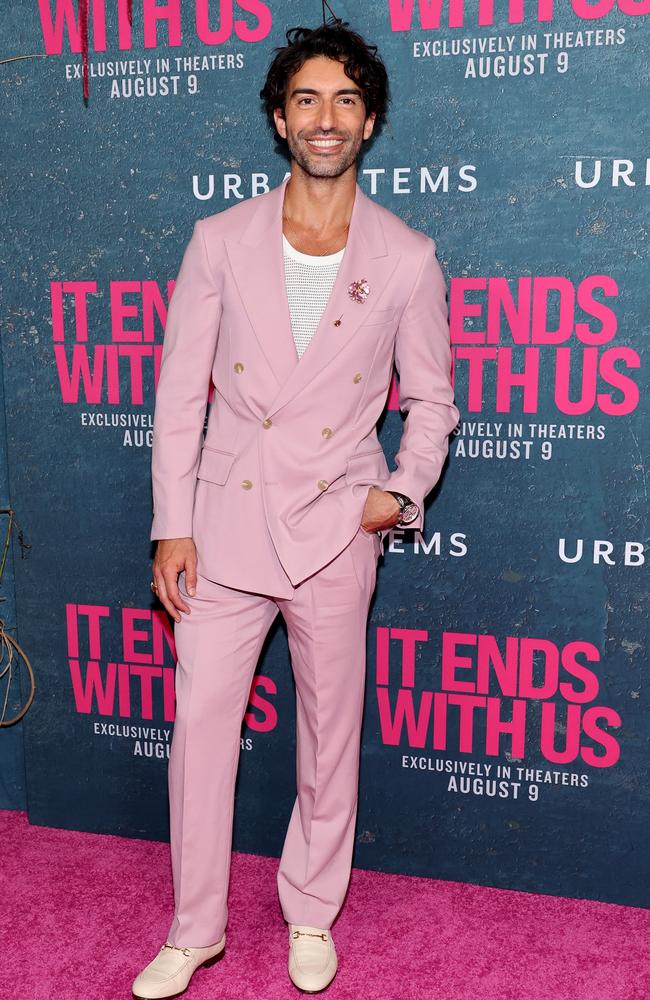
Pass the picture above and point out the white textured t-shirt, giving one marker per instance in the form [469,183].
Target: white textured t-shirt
[309,283]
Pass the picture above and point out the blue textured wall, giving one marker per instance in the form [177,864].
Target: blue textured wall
[109,192]
[14,680]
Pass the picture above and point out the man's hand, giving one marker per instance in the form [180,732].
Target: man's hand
[172,556]
[381,510]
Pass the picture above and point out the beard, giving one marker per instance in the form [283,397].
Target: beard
[324,166]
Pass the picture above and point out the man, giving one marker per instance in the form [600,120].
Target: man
[296,303]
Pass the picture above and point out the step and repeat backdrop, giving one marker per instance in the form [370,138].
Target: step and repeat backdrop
[506,726]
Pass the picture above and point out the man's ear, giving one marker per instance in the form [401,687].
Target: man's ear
[369,125]
[280,123]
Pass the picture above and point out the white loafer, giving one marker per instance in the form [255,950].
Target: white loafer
[172,968]
[312,957]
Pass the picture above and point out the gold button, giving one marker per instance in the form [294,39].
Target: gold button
[357,377]
[267,422]
[238,366]
[322,484]
[246,484]
[327,432]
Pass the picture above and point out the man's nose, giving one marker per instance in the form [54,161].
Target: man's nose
[326,116]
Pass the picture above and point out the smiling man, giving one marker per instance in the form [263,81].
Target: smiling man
[296,304]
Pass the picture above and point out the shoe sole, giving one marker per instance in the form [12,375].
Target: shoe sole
[303,990]
[203,965]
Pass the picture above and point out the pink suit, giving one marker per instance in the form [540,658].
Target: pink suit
[273,498]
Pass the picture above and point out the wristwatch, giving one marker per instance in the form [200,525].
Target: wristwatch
[408,510]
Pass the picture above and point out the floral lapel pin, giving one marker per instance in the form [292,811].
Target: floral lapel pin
[359,290]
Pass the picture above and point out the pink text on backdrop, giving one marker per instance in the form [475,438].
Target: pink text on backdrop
[94,372]
[429,15]
[140,682]
[516,344]
[215,22]
[480,678]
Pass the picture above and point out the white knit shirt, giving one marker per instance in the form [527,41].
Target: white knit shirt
[309,283]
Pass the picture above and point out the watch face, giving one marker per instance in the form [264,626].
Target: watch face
[409,513]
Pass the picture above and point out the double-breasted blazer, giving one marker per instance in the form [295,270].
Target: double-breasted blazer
[276,489]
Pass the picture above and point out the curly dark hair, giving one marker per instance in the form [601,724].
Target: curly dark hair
[335,40]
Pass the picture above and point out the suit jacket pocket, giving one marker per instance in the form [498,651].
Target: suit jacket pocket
[378,316]
[367,467]
[215,465]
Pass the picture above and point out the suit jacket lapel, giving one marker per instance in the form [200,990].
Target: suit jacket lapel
[258,265]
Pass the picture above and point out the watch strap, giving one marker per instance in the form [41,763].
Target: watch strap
[401,498]
[403,502]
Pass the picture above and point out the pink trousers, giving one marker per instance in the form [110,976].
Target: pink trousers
[218,647]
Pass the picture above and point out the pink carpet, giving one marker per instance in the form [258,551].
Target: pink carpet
[83,912]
